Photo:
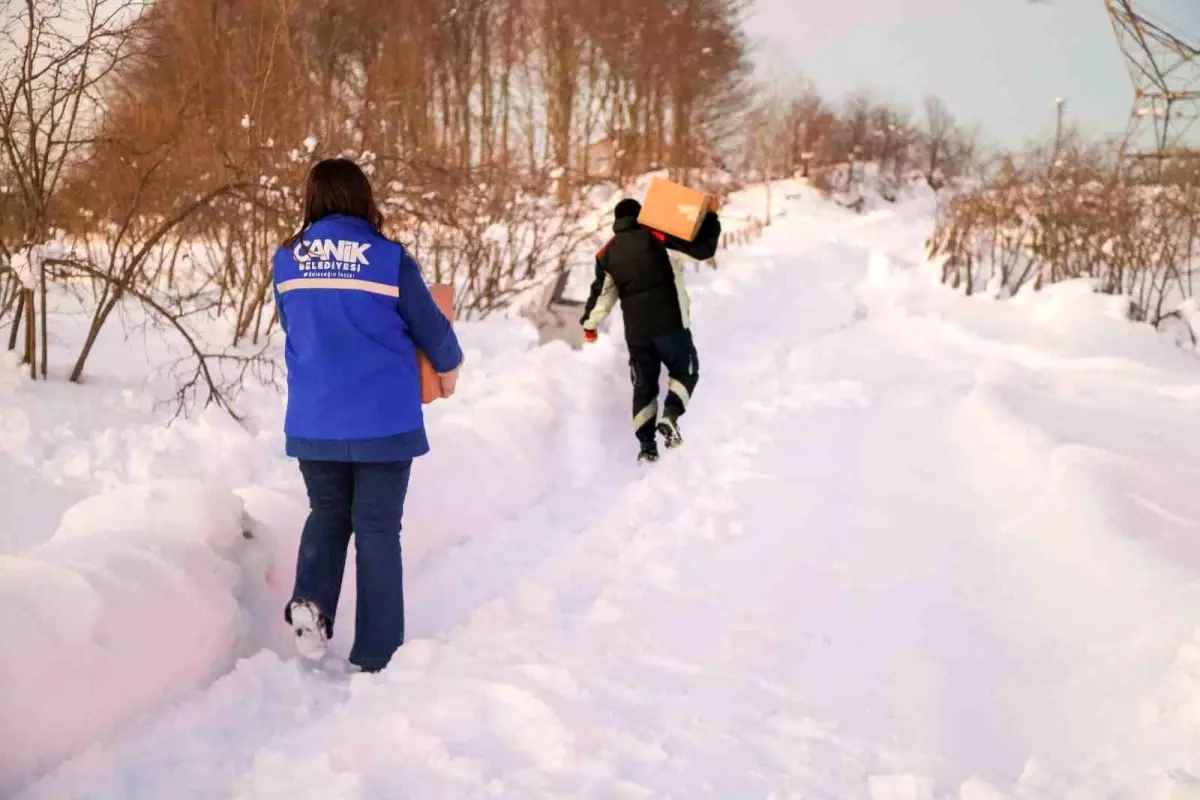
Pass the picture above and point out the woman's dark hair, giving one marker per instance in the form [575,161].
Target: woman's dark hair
[337,186]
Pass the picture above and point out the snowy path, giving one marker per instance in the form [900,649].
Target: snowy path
[886,559]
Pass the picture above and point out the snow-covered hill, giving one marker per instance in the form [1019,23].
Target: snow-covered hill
[916,546]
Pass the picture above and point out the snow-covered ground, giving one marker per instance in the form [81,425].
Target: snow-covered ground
[916,546]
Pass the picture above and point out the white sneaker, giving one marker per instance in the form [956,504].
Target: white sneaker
[309,628]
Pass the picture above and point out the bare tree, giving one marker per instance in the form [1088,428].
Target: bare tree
[938,134]
[58,55]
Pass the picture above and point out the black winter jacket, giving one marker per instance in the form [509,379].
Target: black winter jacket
[636,268]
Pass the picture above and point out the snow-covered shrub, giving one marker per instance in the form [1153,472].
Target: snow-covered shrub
[1079,213]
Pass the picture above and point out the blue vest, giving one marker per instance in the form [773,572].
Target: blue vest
[355,308]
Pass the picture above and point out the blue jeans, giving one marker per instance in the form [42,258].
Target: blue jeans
[368,500]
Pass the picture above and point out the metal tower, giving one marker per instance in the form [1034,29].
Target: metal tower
[1164,65]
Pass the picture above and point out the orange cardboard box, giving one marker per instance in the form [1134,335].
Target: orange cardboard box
[431,386]
[675,209]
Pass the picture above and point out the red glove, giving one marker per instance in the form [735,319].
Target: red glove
[590,336]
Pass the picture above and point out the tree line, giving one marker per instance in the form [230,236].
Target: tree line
[795,130]
[163,143]
[155,135]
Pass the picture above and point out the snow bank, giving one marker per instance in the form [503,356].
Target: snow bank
[144,575]
[60,444]
[1067,325]
[151,590]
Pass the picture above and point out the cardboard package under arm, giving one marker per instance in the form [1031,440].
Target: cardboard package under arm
[431,385]
[674,209]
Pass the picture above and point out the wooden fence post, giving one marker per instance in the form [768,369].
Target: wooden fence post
[45,322]
[30,334]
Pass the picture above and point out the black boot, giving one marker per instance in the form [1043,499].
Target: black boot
[648,454]
[668,426]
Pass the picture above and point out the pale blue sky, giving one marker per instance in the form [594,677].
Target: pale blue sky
[999,62]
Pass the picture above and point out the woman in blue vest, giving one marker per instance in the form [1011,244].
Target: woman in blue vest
[354,309]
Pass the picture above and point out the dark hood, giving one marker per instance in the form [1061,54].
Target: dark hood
[625,224]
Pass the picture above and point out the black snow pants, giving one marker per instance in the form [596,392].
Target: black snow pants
[676,352]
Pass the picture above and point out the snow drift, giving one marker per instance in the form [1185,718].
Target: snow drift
[148,591]
[134,599]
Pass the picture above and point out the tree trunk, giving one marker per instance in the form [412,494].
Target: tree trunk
[30,334]
[16,326]
[98,320]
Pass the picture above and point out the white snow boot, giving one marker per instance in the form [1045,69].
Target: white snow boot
[310,628]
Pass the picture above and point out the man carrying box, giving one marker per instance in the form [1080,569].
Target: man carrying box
[643,268]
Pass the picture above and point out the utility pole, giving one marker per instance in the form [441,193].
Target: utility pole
[1058,125]
[1056,155]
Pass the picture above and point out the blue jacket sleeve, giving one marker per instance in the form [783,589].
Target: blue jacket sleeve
[430,329]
